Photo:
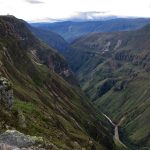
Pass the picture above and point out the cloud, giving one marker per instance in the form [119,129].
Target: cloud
[91,15]
[34,1]
[80,16]
[47,19]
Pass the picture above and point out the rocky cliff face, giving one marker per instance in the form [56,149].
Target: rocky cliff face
[20,30]
[55,41]
[6,93]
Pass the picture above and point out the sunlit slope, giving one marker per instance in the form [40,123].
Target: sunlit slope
[114,70]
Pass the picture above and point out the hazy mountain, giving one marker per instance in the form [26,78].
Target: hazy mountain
[114,71]
[90,16]
[36,100]
[71,30]
[51,38]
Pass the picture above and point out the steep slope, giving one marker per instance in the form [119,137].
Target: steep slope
[114,71]
[56,42]
[51,38]
[72,30]
[37,100]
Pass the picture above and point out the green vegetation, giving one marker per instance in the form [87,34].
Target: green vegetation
[113,70]
[45,105]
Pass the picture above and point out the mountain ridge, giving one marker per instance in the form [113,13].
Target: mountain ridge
[44,104]
[71,30]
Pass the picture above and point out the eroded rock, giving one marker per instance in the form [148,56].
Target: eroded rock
[16,139]
[7,147]
[6,93]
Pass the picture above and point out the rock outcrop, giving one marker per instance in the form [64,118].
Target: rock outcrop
[6,93]
[15,140]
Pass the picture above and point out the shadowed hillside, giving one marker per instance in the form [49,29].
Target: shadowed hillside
[51,38]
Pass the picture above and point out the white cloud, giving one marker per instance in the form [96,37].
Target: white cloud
[34,1]
[58,9]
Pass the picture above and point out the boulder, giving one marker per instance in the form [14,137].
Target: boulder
[7,147]
[16,139]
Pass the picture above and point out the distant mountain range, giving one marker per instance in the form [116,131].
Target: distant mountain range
[70,30]
[80,17]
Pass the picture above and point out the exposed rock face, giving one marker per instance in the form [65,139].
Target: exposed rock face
[6,93]
[59,65]
[15,138]
[9,147]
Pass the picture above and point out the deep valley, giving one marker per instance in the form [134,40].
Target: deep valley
[85,89]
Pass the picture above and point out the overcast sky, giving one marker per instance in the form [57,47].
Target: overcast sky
[59,9]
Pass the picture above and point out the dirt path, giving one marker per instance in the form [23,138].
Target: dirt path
[116,137]
[116,132]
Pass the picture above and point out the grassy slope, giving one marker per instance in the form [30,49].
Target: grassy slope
[53,109]
[103,65]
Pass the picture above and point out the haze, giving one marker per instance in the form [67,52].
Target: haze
[48,10]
